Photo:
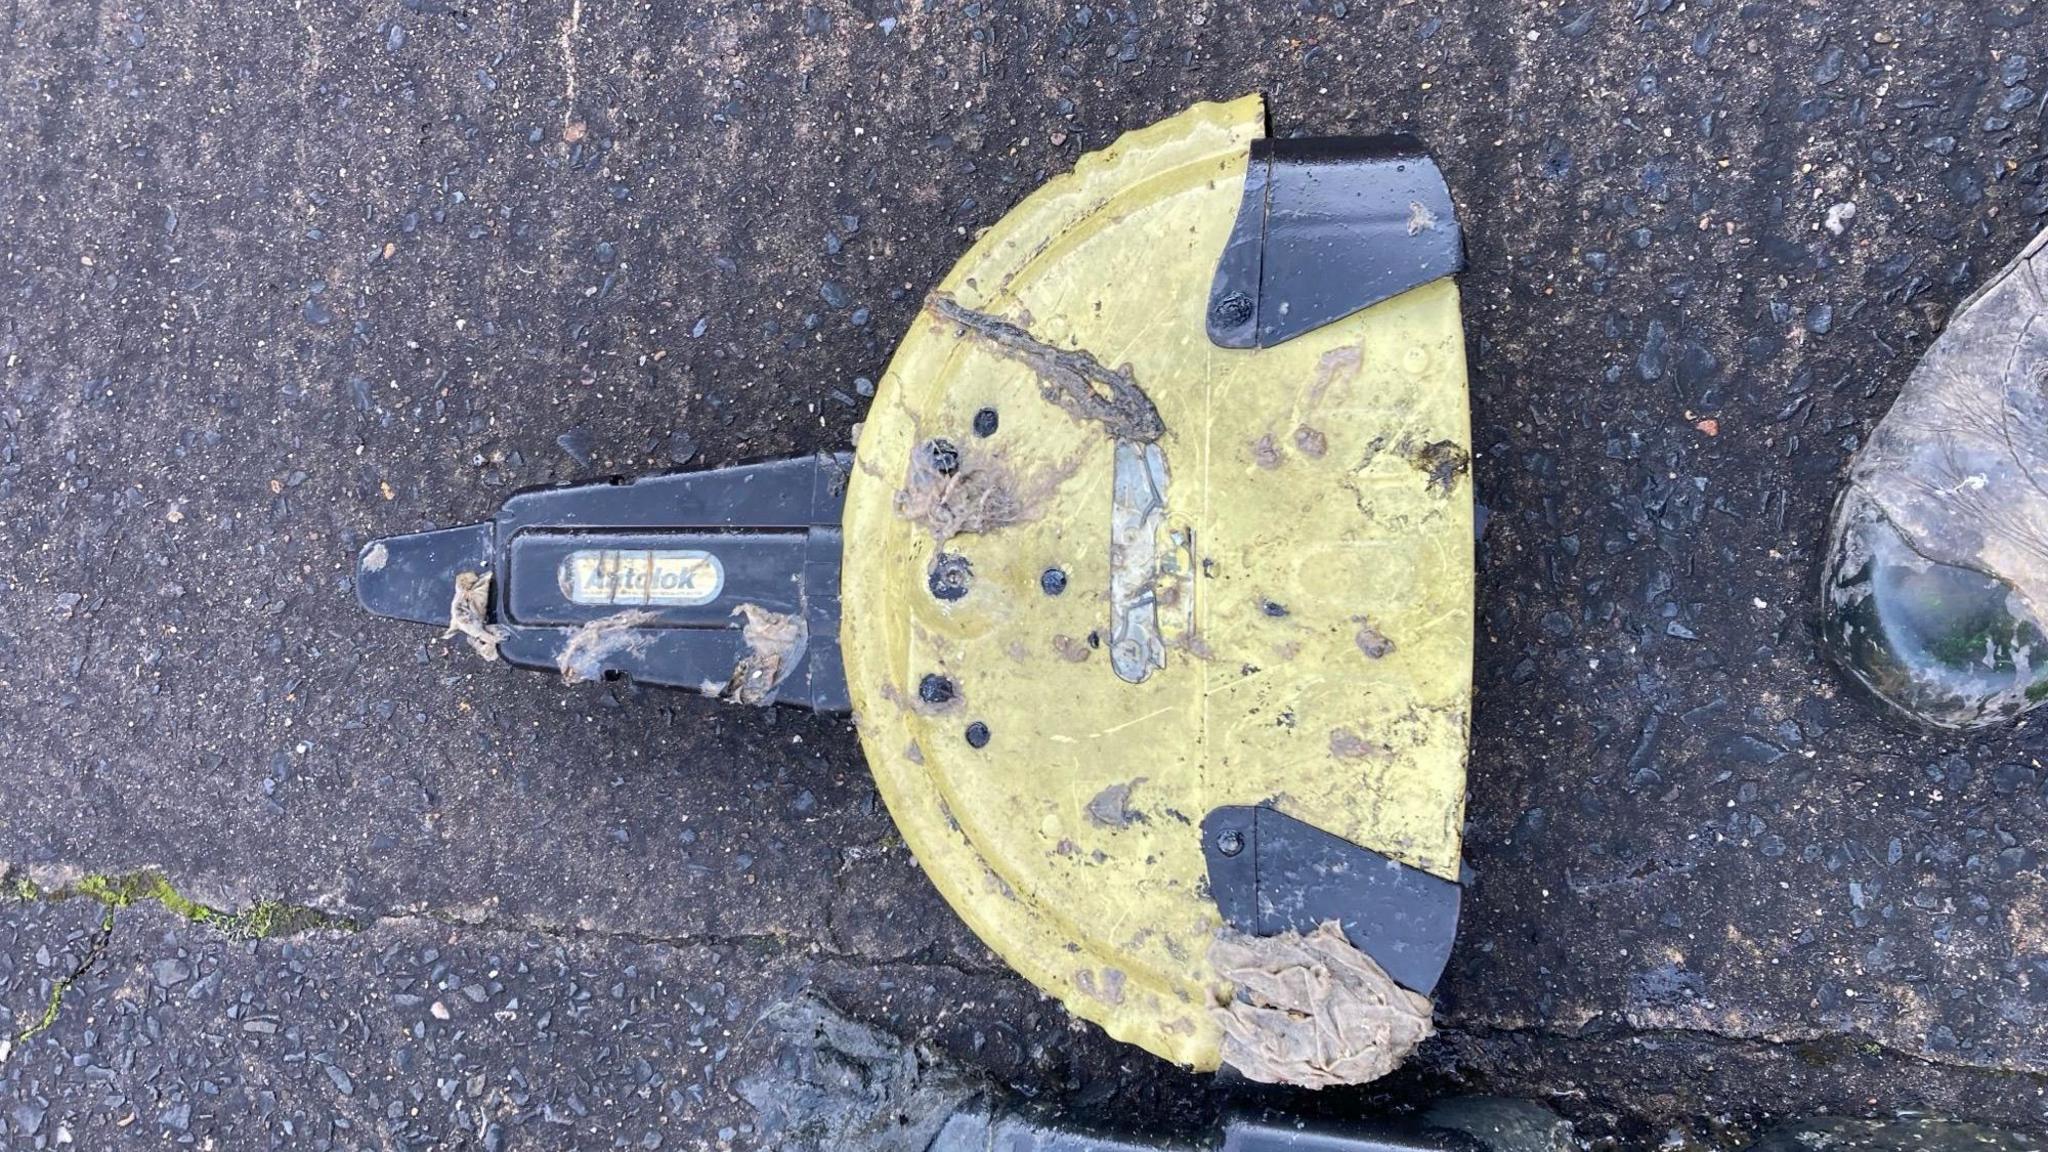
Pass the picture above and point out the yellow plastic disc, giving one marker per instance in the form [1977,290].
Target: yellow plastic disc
[1102,576]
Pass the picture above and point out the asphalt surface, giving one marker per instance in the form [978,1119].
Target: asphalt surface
[278,279]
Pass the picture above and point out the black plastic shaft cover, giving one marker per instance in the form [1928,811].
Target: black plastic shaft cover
[681,552]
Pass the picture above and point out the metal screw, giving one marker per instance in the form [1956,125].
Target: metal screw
[1052,581]
[985,422]
[977,735]
[1233,309]
[951,574]
[935,689]
[944,457]
[1230,843]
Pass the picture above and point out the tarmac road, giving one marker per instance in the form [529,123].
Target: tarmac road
[276,279]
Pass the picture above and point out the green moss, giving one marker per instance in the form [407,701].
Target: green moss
[50,1010]
[63,984]
[261,921]
[1966,649]
[270,918]
[1816,1055]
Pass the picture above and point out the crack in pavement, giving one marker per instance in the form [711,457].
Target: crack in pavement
[1790,1039]
[263,919]
[94,953]
[278,919]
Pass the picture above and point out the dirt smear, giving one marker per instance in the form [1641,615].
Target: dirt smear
[1266,453]
[1346,744]
[775,645]
[1370,640]
[1334,369]
[1067,377]
[1109,988]
[1442,462]
[1111,807]
[1313,1010]
[1071,650]
[469,613]
[583,657]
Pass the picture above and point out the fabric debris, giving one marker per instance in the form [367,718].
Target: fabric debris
[775,645]
[469,612]
[583,657]
[1313,1011]
[983,493]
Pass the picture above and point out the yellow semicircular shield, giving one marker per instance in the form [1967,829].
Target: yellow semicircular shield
[1140,629]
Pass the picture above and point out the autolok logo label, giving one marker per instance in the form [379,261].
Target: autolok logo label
[635,577]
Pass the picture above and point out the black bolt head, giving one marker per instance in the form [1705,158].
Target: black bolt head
[1230,842]
[977,735]
[950,577]
[1232,309]
[1052,581]
[985,422]
[935,689]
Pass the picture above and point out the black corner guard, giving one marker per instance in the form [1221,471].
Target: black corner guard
[1329,226]
[1271,873]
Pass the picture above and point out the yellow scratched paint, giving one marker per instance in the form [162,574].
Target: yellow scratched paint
[1318,510]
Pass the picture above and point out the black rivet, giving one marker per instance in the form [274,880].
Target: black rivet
[1052,581]
[1273,609]
[1230,842]
[977,735]
[1232,309]
[935,689]
[985,422]
[944,457]
[950,577]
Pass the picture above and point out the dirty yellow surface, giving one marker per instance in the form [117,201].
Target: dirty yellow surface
[1313,570]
